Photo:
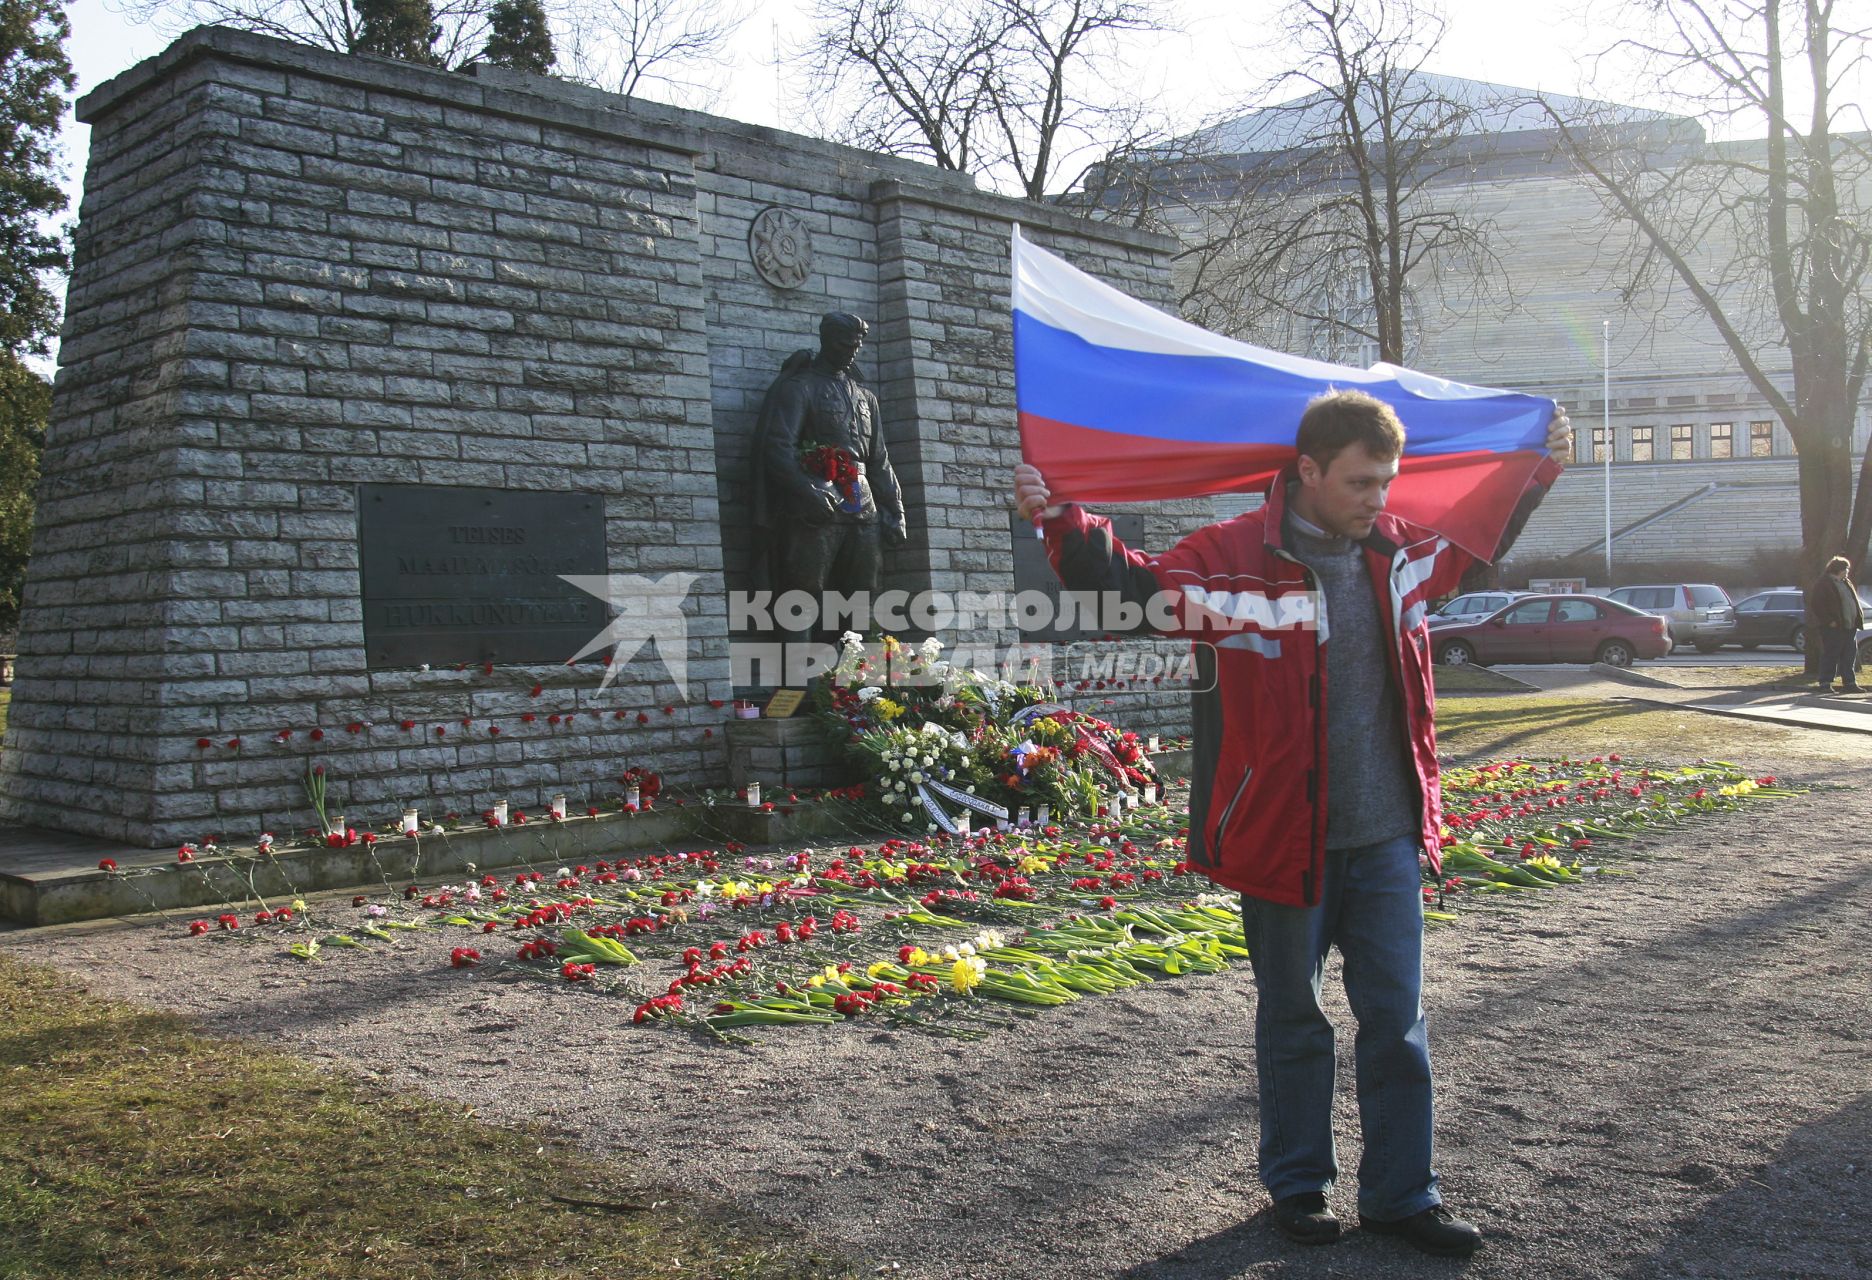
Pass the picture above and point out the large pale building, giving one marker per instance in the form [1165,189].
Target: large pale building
[1701,471]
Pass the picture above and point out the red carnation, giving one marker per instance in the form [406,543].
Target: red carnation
[107,864]
[204,742]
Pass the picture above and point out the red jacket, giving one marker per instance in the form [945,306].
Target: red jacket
[1258,778]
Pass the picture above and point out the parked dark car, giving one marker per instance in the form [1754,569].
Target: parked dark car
[1776,616]
[1557,628]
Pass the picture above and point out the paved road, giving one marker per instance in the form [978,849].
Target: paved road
[1681,658]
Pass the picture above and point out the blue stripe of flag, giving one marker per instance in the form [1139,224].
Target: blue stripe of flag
[1219,400]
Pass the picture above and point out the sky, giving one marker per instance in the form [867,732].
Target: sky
[1193,73]
[1190,75]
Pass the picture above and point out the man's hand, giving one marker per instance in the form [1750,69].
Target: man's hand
[895,535]
[1560,436]
[1031,493]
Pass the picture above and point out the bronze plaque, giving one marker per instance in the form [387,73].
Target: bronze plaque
[472,575]
[1034,572]
[784,703]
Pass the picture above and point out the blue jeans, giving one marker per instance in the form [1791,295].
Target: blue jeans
[1838,656]
[1371,907]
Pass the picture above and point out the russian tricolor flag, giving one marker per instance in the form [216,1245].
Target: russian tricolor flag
[1120,402]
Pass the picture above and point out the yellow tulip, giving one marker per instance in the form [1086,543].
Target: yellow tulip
[967,974]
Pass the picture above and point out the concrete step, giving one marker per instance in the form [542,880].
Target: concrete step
[50,877]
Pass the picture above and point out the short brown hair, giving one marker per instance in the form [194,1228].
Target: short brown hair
[1341,418]
[1839,562]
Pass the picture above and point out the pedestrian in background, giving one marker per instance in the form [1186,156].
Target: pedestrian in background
[1834,606]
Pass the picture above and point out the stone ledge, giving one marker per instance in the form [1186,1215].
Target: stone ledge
[76,889]
[1028,213]
[1173,762]
[371,72]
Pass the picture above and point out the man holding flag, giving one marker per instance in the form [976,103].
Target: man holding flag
[1314,789]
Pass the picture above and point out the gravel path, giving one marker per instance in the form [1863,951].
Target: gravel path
[1653,1076]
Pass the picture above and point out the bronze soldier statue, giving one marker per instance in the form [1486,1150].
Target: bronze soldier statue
[825,498]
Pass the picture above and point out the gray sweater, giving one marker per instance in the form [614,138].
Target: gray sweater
[1371,788]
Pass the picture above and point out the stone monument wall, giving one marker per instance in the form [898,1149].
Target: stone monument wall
[314,290]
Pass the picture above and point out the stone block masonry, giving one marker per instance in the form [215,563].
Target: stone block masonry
[298,273]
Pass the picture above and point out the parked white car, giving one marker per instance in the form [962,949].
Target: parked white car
[1472,606]
[1699,613]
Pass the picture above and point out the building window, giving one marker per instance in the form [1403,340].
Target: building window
[1598,444]
[1761,439]
[1682,442]
[1641,444]
[1722,440]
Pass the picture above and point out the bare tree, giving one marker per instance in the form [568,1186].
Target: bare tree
[906,77]
[461,26]
[1052,51]
[1769,236]
[620,45]
[628,46]
[1011,91]
[1311,223]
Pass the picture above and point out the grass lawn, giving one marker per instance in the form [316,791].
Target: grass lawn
[1474,679]
[132,1146]
[1551,725]
[1730,678]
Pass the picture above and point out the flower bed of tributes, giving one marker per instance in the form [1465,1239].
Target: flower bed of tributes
[943,749]
[952,933]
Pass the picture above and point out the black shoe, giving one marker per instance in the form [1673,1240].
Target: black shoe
[1306,1218]
[1436,1230]
[1849,688]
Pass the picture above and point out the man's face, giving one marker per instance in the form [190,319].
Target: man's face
[840,346]
[1348,495]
